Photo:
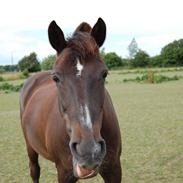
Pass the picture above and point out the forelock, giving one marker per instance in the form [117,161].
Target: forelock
[83,43]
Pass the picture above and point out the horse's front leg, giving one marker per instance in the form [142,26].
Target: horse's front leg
[112,174]
[33,164]
[65,176]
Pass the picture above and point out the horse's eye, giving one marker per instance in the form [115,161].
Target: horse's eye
[104,75]
[56,77]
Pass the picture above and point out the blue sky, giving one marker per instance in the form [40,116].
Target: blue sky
[153,23]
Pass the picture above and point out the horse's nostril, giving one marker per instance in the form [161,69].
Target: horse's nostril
[102,147]
[73,147]
[88,150]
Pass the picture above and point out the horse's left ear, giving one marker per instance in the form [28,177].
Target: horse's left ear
[56,37]
[99,32]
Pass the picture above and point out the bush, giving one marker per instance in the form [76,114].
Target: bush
[156,61]
[25,73]
[47,63]
[8,68]
[1,70]
[161,78]
[112,60]
[29,62]
[150,77]
[9,87]
[141,59]
[172,53]
[1,78]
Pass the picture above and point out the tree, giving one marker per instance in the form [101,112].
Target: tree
[9,68]
[30,63]
[141,59]
[47,63]
[133,48]
[172,53]
[102,52]
[112,60]
[156,61]
[2,70]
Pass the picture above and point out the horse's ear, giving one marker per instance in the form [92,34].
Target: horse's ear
[99,32]
[56,37]
[83,27]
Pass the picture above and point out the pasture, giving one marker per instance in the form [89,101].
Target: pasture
[151,122]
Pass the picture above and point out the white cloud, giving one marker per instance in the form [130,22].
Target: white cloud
[153,23]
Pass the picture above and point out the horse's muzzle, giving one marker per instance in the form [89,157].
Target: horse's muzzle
[87,157]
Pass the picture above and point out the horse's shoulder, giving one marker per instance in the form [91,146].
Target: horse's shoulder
[110,119]
[32,84]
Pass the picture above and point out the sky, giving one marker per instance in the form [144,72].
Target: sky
[24,24]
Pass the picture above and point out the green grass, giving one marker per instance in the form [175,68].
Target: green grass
[151,122]
[151,119]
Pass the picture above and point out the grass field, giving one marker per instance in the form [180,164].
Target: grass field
[151,122]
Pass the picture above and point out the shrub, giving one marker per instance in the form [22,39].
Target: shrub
[152,78]
[141,59]
[29,62]
[6,86]
[47,63]
[112,60]
[25,73]
[156,61]
[1,70]
[9,87]
[161,78]
[172,53]
[1,78]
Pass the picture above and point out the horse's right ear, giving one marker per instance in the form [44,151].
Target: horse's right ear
[99,32]
[56,37]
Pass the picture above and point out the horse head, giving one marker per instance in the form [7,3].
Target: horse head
[79,74]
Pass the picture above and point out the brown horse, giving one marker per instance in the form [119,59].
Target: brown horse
[67,115]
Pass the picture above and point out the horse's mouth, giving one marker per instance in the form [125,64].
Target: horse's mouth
[84,173]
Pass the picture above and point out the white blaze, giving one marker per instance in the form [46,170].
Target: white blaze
[85,117]
[84,111]
[88,118]
[79,67]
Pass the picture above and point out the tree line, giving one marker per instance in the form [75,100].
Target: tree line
[170,55]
